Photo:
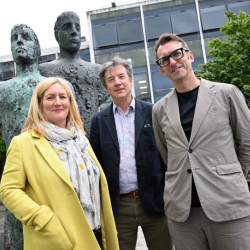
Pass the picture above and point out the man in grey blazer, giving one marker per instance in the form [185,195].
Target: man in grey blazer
[202,130]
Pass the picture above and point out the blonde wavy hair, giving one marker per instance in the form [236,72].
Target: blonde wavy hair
[35,115]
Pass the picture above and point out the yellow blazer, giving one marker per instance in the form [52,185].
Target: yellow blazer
[36,188]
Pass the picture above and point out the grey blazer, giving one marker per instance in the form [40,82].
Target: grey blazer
[217,155]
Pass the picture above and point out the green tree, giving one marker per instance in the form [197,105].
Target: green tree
[232,58]
[2,148]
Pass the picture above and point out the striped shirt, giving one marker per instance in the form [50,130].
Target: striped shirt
[125,127]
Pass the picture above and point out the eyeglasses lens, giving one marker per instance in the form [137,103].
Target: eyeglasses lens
[177,54]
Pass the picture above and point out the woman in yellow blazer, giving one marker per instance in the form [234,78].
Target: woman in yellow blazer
[52,181]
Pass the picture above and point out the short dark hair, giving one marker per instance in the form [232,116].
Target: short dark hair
[165,38]
[59,21]
[111,64]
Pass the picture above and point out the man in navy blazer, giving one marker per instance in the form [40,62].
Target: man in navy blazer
[123,140]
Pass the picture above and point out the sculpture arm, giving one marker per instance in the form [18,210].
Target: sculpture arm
[12,191]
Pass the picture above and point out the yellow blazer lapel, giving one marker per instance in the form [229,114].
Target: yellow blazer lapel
[51,157]
[173,113]
[204,100]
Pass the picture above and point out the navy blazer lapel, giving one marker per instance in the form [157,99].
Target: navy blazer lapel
[140,115]
[110,123]
[204,100]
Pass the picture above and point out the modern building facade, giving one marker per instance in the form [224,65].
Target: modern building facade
[131,30]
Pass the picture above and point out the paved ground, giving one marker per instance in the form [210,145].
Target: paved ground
[141,244]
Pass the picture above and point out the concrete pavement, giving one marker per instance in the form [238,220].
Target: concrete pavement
[141,244]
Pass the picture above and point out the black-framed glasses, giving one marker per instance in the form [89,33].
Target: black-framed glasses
[176,55]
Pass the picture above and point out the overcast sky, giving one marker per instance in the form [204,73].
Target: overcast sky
[41,15]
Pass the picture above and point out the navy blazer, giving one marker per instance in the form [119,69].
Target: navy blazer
[150,167]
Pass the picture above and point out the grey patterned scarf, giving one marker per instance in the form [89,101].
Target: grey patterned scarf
[70,145]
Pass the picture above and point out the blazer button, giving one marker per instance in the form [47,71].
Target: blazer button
[189,171]
[190,150]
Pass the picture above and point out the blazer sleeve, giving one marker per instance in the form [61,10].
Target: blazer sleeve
[94,139]
[159,137]
[12,191]
[240,123]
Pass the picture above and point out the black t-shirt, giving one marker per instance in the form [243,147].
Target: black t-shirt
[187,102]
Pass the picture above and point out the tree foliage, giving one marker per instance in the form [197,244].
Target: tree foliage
[232,58]
[2,148]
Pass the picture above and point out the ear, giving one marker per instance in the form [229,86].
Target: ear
[161,70]
[131,82]
[191,56]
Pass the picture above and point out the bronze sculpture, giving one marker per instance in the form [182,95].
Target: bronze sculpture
[15,96]
[84,76]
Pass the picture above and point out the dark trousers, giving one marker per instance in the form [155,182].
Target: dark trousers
[131,216]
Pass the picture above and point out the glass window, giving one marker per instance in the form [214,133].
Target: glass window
[138,45]
[1,74]
[106,50]
[48,58]
[126,47]
[235,7]
[84,54]
[7,70]
[155,13]
[207,3]
[196,62]
[213,17]
[141,84]
[162,85]
[183,7]
[104,35]
[213,33]
[130,31]
[156,26]
[185,22]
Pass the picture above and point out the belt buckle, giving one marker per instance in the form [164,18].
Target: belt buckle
[135,195]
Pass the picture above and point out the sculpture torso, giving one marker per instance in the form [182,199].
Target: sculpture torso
[15,96]
[84,77]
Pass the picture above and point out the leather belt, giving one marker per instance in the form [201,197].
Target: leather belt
[134,194]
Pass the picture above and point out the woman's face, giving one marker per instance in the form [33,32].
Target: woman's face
[55,105]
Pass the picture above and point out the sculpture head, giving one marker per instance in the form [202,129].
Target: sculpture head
[25,46]
[68,31]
